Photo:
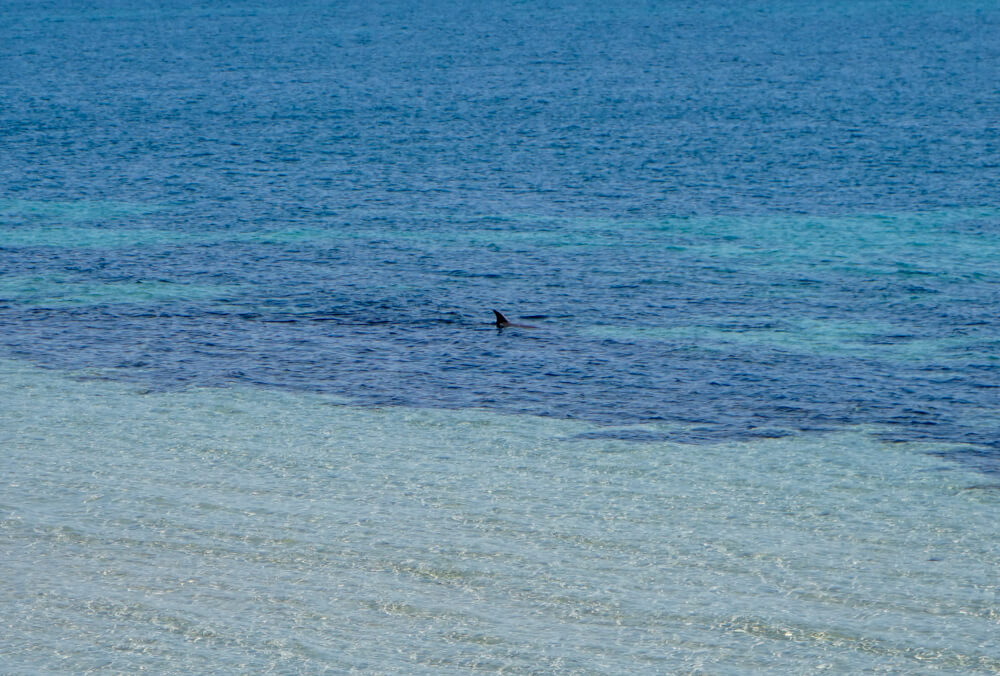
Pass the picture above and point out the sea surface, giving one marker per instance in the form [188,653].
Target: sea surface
[255,416]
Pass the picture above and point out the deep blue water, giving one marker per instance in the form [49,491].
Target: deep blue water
[750,219]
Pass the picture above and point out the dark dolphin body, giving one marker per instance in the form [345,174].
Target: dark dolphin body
[502,323]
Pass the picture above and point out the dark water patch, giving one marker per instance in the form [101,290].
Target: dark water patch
[459,362]
[686,435]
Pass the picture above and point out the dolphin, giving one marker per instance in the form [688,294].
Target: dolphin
[502,323]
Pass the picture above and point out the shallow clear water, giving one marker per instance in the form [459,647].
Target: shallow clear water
[245,529]
[255,414]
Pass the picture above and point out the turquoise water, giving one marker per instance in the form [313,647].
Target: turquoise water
[255,415]
[254,531]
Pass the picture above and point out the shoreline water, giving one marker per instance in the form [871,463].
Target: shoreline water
[260,530]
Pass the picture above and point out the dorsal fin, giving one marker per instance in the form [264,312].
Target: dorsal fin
[501,320]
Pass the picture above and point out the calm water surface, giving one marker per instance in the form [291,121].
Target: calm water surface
[255,415]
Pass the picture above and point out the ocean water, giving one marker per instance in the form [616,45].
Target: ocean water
[255,416]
